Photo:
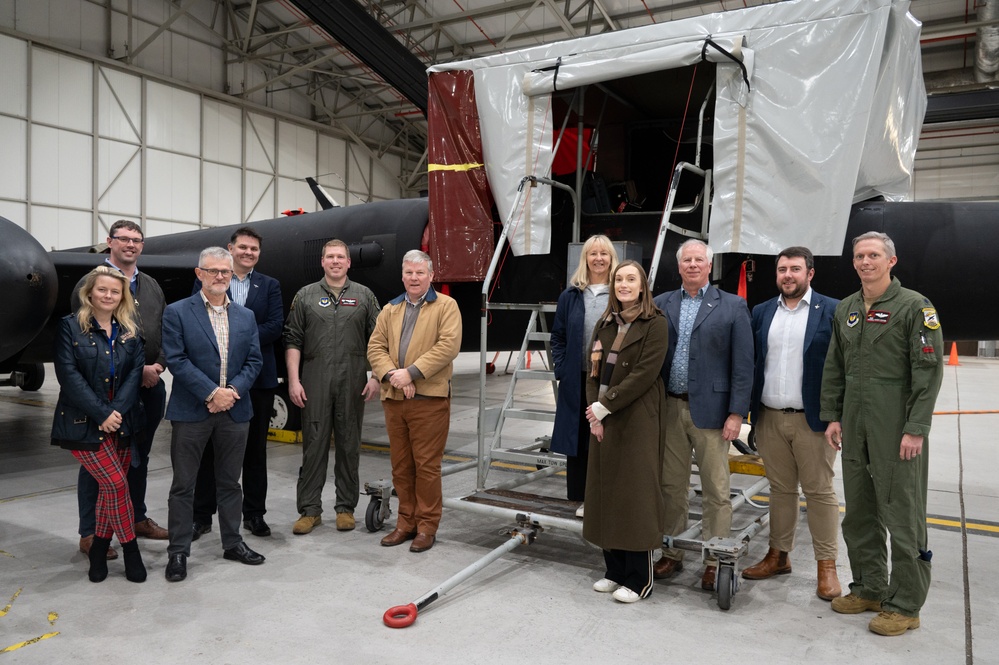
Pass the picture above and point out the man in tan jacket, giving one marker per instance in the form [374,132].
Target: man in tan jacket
[412,350]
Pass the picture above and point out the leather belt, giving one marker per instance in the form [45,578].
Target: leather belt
[684,396]
[787,410]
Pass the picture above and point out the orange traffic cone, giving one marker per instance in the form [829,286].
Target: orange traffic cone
[953,355]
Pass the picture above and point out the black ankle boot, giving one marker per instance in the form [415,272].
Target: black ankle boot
[135,571]
[99,559]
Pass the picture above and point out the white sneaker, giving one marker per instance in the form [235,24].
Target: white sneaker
[579,511]
[605,585]
[625,595]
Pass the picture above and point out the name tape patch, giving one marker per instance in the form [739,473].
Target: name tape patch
[878,316]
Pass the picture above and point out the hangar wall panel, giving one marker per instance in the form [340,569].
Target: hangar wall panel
[332,167]
[17,213]
[61,87]
[223,133]
[119,105]
[296,150]
[258,202]
[13,76]
[13,178]
[119,179]
[58,228]
[358,175]
[173,184]
[383,185]
[221,194]
[61,167]
[260,137]
[173,118]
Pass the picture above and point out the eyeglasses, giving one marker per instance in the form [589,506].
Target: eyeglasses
[215,272]
[128,241]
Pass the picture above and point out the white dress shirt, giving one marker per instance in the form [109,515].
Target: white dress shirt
[784,366]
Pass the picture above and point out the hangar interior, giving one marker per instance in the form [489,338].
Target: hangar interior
[191,114]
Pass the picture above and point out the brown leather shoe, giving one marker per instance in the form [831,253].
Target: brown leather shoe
[774,563]
[666,568]
[828,586]
[397,537]
[147,528]
[422,542]
[87,541]
[708,578]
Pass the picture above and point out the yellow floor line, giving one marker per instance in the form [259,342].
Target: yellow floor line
[33,640]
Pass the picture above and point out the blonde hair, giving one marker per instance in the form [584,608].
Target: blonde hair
[648,307]
[581,278]
[124,313]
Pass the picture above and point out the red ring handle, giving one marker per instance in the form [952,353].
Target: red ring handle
[400,616]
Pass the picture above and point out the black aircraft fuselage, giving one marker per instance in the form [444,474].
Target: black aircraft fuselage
[933,240]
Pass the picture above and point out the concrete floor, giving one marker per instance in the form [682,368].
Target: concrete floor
[320,597]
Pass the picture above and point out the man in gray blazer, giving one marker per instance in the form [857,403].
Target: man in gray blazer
[213,352]
[709,379]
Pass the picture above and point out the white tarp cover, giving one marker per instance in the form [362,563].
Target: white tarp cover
[833,115]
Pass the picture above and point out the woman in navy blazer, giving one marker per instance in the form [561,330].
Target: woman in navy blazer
[98,360]
[584,301]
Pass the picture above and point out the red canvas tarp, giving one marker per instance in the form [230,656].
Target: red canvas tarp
[461,220]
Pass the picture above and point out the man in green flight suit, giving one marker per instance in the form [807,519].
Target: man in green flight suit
[880,382]
[327,332]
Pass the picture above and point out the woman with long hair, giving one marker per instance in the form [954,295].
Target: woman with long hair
[579,308]
[98,361]
[625,514]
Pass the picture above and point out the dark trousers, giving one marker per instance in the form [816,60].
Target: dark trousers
[187,446]
[154,401]
[630,569]
[575,465]
[254,465]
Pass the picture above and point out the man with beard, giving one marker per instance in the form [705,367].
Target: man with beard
[792,333]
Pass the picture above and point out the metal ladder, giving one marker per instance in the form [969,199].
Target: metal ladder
[535,453]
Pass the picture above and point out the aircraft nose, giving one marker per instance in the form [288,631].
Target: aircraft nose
[29,285]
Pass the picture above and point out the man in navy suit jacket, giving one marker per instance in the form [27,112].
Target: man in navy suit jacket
[792,333]
[709,379]
[261,295]
[212,351]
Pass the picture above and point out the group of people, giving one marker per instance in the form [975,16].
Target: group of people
[219,345]
[645,384]
[648,382]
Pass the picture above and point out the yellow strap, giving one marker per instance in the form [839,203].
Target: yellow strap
[453,167]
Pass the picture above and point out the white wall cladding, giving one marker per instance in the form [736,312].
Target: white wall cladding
[88,142]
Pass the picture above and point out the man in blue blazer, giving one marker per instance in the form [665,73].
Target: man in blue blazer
[213,353]
[261,295]
[792,333]
[709,378]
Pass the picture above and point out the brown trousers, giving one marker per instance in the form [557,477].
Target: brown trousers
[417,430]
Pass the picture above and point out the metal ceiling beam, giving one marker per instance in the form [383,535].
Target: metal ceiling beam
[348,23]
[962,106]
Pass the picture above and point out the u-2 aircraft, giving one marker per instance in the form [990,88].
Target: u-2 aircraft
[945,249]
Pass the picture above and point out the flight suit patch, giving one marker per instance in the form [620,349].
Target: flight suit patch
[325,301]
[853,319]
[930,319]
[878,316]
[348,302]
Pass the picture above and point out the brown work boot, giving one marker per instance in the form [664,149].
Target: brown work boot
[708,578]
[853,604]
[828,586]
[87,542]
[892,624]
[774,563]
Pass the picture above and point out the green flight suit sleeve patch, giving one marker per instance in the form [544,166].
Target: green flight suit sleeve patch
[930,319]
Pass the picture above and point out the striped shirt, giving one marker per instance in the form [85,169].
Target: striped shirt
[239,289]
[219,318]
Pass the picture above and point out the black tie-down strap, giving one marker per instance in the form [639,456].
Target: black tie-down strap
[704,51]
[555,68]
